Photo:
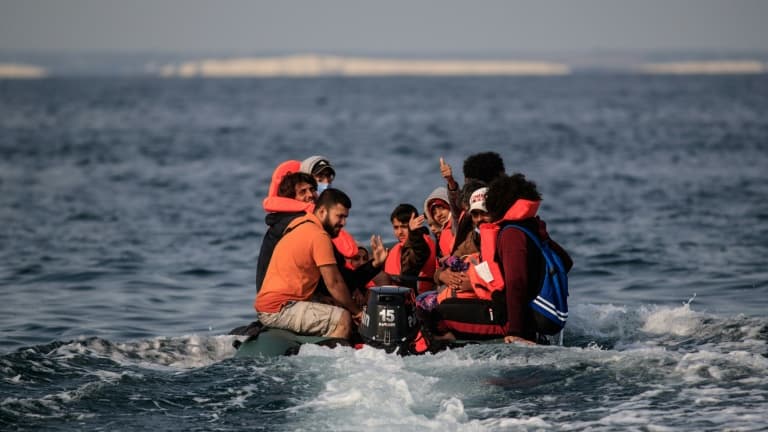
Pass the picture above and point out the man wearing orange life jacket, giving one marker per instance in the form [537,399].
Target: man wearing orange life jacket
[412,261]
[303,257]
[509,272]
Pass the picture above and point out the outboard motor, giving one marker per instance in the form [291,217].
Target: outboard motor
[389,320]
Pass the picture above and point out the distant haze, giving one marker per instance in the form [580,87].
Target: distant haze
[392,27]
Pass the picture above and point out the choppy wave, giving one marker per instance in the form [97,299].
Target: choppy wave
[648,367]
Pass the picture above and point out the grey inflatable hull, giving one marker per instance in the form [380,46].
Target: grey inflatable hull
[275,342]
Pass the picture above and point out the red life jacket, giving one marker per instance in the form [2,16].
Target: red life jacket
[477,304]
[446,239]
[489,233]
[425,281]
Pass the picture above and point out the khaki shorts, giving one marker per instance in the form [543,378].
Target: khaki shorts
[305,318]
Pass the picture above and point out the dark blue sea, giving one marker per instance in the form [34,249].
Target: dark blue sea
[131,220]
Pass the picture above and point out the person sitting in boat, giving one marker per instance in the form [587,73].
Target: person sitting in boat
[483,166]
[292,194]
[361,258]
[448,232]
[303,257]
[357,262]
[501,307]
[472,195]
[468,244]
[479,167]
[345,245]
[451,273]
[438,213]
[320,168]
[412,261]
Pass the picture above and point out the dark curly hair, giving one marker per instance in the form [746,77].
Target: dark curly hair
[505,190]
[484,166]
[287,186]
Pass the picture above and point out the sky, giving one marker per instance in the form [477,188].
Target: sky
[390,27]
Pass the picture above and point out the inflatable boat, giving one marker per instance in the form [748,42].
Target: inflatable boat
[389,322]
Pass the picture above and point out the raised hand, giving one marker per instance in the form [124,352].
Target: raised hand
[445,169]
[378,251]
[447,173]
[416,222]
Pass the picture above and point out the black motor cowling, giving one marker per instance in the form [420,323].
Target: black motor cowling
[389,320]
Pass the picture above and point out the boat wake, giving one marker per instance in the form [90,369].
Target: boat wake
[626,367]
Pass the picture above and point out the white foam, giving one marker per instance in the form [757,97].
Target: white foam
[603,321]
[56,403]
[679,321]
[185,352]
[397,393]
[15,380]
[721,366]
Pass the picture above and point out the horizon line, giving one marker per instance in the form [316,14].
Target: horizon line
[317,65]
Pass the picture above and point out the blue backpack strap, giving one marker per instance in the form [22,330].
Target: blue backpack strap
[551,303]
[526,231]
[551,258]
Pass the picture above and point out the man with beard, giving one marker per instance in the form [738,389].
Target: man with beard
[301,259]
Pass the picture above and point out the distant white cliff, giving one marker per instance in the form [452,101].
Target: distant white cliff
[317,65]
[16,70]
[718,67]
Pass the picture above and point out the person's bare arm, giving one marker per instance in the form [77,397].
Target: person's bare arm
[338,289]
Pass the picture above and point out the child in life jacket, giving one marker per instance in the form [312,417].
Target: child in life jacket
[411,262]
[453,270]
[467,238]
[440,219]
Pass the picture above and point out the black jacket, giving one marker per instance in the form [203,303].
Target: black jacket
[277,222]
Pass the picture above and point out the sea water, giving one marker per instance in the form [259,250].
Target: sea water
[131,219]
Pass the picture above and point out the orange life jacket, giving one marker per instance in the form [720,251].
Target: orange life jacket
[451,293]
[344,242]
[425,281]
[273,203]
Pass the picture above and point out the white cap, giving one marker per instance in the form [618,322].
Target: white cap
[477,200]
[315,164]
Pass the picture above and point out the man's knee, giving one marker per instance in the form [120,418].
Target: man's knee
[343,325]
